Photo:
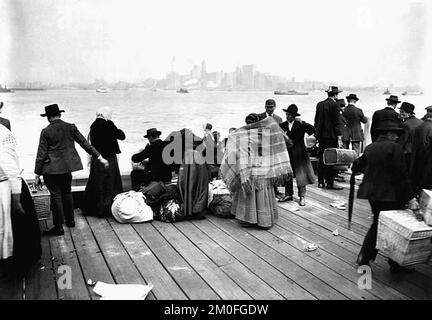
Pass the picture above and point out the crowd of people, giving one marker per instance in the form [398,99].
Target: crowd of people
[266,153]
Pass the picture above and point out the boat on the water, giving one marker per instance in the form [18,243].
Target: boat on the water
[290,92]
[181,90]
[102,90]
[387,91]
[5,89]
[412,93]
[28,89]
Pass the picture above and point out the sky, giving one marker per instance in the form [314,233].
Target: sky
[358,42]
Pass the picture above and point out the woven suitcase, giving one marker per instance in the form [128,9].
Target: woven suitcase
[339,157]
[402,238]
[41,200]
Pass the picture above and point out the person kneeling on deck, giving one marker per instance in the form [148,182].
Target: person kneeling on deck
[385,184]
[155,168]
[56,159]
[295,129]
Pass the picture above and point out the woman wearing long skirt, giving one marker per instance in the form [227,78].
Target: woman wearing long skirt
[103,183]
[20,245]
[256,159]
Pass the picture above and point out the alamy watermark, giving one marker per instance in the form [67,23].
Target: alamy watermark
[365,280]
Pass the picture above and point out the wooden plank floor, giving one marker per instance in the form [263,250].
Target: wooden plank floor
[218,258]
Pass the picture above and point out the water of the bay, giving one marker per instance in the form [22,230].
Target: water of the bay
[136,110]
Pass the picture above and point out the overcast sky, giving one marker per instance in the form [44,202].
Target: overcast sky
[349,42]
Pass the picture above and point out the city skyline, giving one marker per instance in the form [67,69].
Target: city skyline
[64,41]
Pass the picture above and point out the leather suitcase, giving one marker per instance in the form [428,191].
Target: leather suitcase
[339,157]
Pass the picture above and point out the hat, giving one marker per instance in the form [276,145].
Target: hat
[333,90]
[52,110]
[251,118]
[390,124]
[292,108]
[429,108]
[393,99]
[352,96]
[407,107]
[270,102]
[152,131]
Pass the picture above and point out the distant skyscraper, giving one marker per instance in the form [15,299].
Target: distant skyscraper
[248,76]
[203,69]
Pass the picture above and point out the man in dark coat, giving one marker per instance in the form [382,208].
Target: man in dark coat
[270,106]
[421,160]
[4,121]
[385,183]
[295,129]
[344,124]
[56,159]
[386,113]
[327,131]
[409,124]
[156,168]
[354,117]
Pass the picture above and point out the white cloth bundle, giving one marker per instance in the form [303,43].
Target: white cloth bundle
[129,207]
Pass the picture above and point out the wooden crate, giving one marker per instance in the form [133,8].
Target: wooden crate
[341,157]
[404,239]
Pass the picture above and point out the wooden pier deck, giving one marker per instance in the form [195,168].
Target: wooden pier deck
[218,258]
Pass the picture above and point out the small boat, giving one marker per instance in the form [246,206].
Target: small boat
[181,90]
[387,91]
[102,90]
[290,92]
[412,93]
[5,89]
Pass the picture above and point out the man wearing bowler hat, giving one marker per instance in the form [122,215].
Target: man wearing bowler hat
[56,159]
[354,117]
[327,131]
[388,112]
[156,169]
[409,124]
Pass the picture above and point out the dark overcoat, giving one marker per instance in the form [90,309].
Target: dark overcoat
[56,152]
[298,154]
[379,116]
[104,135]
[354,117]
[327,120]
[344,129]
[385,175]
[409,126]
[421,155]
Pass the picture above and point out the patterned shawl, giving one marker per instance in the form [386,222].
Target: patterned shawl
[256,157]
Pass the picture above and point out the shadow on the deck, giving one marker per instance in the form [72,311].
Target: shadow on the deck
[217,258]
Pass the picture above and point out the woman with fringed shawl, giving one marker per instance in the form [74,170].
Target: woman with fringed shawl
[103,183]
[256,159]
[20,245]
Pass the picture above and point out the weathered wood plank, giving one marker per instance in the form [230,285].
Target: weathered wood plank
[190,282]
[164,287]
[268,248]
[282,283]
[224,286]
[250,282]
[92,262]
[119,262]
[64,254]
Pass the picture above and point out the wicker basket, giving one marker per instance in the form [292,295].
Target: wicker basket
[403,238]
[339,157]
[42,203]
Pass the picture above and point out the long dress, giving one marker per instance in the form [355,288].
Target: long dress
[103,183]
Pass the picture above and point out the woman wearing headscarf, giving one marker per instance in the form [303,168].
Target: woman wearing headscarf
[19,226]
[103,183]
[256,159]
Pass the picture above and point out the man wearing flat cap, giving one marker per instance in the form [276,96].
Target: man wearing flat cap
[388,112]
[421,159]
[56,159]
[409,124]
[156,169]
[327,131]
[354,117]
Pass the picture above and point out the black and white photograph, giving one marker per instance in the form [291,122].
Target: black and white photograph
[234,152]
